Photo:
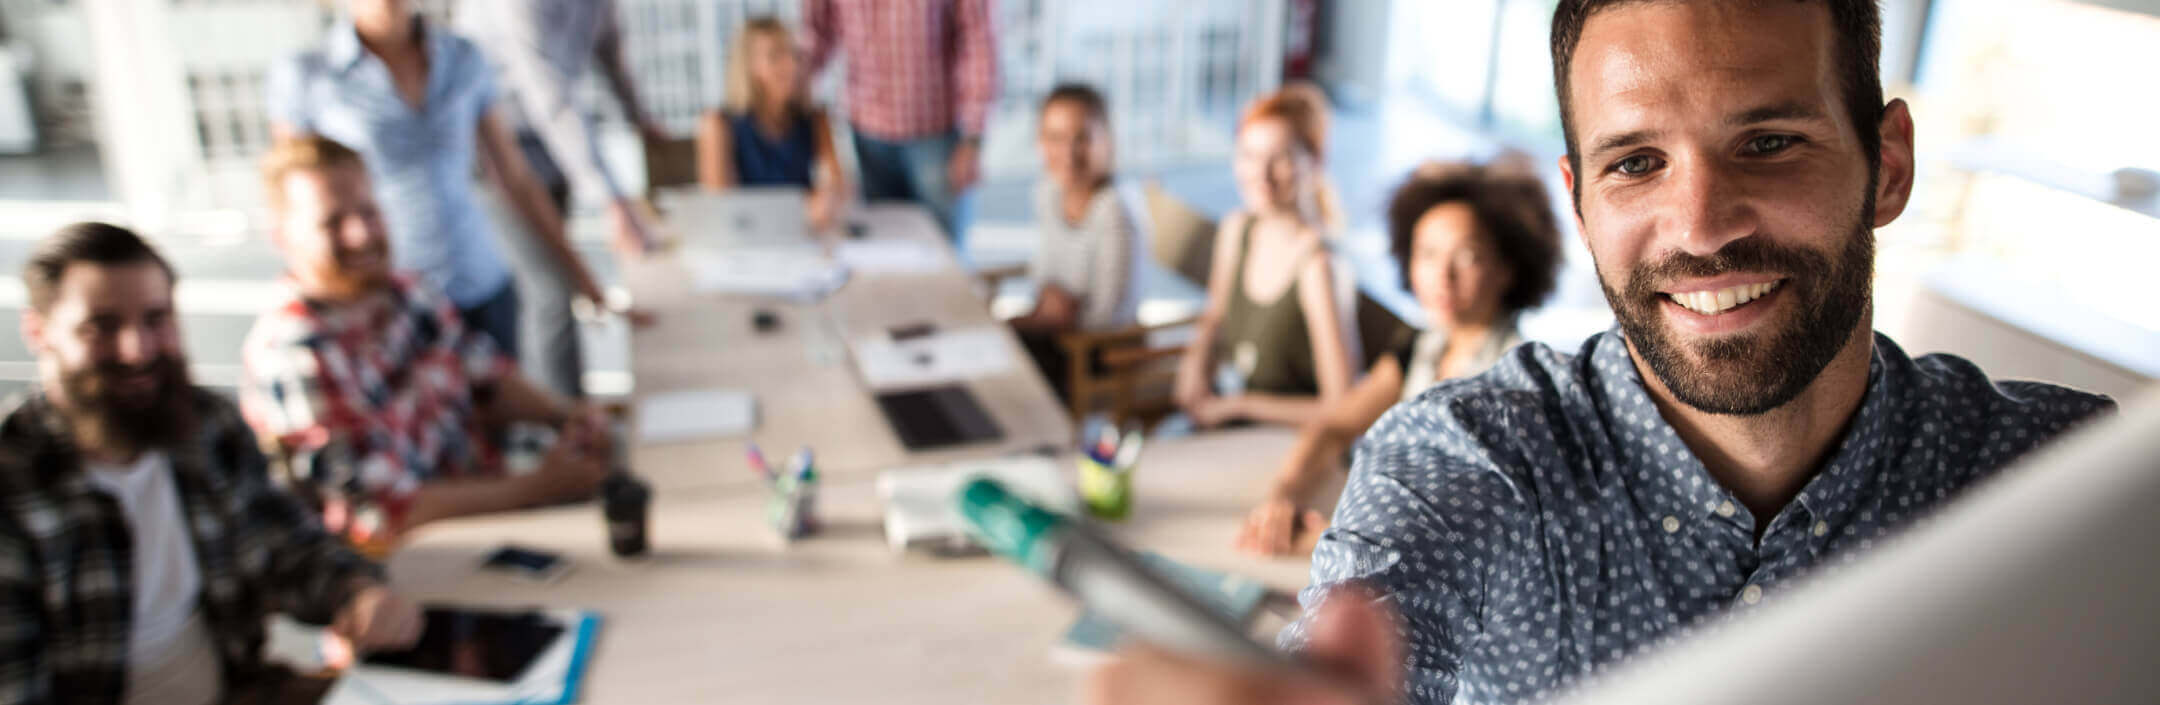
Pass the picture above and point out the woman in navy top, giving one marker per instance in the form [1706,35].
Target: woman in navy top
[767,134]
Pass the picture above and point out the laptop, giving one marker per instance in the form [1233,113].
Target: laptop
[937,417]
[744,217]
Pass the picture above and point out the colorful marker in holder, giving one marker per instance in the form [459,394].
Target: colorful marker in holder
[1107,459]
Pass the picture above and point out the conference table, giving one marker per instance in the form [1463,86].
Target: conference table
[724,610]
[807,392]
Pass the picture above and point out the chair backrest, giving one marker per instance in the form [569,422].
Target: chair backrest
[1184,238]
[671,162]
[1377,328]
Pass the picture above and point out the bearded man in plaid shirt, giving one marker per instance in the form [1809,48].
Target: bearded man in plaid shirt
[141,545]
[382,401]
[920,78]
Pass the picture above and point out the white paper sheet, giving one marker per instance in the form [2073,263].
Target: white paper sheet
[785,272]
[694,414]
[938,358]
[891,257]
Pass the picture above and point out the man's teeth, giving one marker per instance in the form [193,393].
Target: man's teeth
[1710,303]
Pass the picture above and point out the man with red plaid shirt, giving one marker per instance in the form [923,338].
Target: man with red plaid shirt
[920,78]
[381,399]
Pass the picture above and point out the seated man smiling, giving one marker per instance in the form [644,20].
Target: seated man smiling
[1504,535]
[382,398]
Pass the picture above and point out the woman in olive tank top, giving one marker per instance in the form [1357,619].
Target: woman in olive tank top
[1272,345]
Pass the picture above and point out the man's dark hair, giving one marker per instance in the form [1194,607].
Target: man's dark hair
[102,244]
[1857,25]
[1083,95]
[1512,213]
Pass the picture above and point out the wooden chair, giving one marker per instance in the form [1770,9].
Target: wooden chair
[1132,368]
[670,163]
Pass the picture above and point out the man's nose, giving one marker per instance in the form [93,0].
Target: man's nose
[1706,208]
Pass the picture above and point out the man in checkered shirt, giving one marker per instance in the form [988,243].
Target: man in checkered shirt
[382,401]
[141,545]
[920,78]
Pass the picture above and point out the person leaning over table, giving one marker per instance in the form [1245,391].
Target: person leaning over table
[541,49]
[1087,264]
[1274,342]
[381,398]
[141,543]
[418,101]
[1477,246]
[1505,535]
[767,133]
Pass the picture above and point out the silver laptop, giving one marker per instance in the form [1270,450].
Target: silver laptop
[742,217]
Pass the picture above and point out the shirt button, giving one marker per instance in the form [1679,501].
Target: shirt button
[1751,594]
[1725,509]
[1672,525]
[1822,528]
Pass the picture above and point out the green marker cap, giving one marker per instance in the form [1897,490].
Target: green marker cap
[1008,525]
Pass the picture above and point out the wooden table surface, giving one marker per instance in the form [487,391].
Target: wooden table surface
[723,611]
[807,389]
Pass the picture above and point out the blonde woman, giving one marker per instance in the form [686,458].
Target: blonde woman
[1274,344]
[766,132]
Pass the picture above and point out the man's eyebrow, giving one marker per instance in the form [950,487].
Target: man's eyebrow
[1621,141]
[1796,110]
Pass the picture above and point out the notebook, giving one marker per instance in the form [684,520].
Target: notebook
[694,414]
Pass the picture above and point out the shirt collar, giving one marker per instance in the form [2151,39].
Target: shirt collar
[343,49]
[1666,478]
[1832,494]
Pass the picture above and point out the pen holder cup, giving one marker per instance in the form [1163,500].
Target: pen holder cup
[1106,490]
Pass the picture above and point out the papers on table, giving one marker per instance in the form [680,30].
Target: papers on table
[552,678]
[919,507]
[890,257]
[801,273]
[938,358]
[694,414]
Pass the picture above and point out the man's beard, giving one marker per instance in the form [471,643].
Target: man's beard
[346,281]
[1752,373]
[114,420]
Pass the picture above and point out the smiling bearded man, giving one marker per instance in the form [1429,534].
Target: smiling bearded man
[1506,534]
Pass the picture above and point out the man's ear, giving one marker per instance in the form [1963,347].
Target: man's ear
[32,327]
[1894,177]
[1567,180]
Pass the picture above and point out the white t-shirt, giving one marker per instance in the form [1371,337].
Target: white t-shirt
[1098,259]
[171,656]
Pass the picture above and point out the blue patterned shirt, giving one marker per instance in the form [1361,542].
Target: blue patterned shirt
[422,161]
[1542,521]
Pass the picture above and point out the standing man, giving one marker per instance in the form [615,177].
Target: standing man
[920,78]
[542,49]
[141,544]
[1505,535]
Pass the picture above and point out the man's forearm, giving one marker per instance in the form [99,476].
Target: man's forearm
[449,499]
[518,399]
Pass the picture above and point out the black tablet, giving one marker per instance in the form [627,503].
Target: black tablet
[473,643]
